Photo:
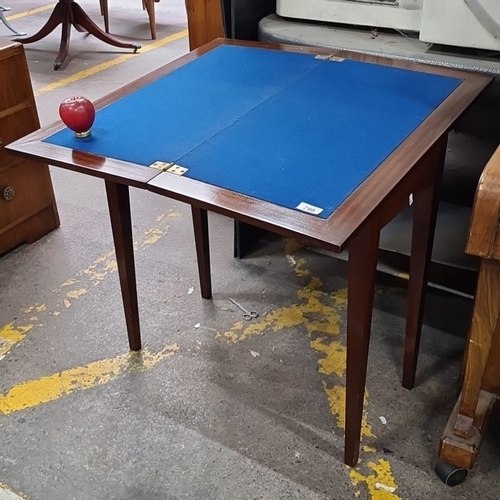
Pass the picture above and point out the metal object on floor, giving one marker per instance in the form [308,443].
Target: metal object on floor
[247,315]
[4,21]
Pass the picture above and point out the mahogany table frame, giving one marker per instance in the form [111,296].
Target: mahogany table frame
[415,167]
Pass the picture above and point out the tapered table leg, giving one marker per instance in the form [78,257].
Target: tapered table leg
[200,225]
[425,207]
[361,271]
[150,8]
[121,224]
[65,35]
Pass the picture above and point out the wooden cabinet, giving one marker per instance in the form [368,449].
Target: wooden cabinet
[27,206]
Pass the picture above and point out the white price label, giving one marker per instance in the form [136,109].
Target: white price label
[310,209]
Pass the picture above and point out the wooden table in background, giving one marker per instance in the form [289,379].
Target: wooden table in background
[68,13]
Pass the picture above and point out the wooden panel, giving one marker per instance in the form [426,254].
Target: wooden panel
[10,95]
[483,238]
[491,379]
[204,21]
[13,126]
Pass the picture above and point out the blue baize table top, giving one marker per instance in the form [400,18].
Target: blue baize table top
[283,127]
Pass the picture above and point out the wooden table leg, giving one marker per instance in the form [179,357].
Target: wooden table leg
[65,35]
[425,205]
[462,452]
[200,225]
[55,19]
[121,224]
[105,14]
[361,271]
[80,17]
[491,378]
[150,8]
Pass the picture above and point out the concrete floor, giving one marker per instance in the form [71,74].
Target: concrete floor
[212,408]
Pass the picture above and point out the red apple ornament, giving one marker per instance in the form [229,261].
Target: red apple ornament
[78,114]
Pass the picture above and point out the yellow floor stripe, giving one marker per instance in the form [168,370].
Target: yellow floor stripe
[13,17]
[52,387]
[109,64]
[11,335]
[319,313]
[7,494]
[73,288]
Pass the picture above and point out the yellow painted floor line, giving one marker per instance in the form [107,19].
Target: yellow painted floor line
[81,75]
[75,287]
[318,312]
[49,388]
[13,17]
[6,494]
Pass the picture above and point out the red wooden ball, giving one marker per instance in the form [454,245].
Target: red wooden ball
[78,114]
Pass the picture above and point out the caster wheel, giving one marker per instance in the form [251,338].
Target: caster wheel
[450,474]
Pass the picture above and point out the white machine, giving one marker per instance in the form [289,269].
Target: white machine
[462,23]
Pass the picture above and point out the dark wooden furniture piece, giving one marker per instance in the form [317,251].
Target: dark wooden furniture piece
[462,436]
[237,19]
[27,205]
[69,13]
[147,5]
[414,167]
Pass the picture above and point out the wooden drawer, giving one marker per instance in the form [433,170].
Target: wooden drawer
[12,127]
[32,192]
